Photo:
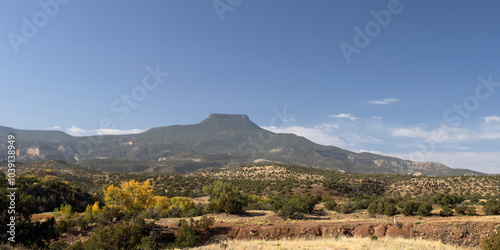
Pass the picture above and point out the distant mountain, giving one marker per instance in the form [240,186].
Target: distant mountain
[220,141]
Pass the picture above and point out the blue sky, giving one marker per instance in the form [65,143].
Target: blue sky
[414,79]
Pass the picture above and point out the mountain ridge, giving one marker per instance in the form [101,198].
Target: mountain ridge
[217,142]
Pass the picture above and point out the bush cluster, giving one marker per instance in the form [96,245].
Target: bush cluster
[492,207]
[189,234]
[295,206]
[382,206]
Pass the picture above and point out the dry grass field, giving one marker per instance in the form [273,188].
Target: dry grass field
[333,243]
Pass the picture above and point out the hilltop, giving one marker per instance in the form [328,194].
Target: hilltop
[271,179]
[221,141]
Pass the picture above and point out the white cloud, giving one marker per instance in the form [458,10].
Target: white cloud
[386,101]
[447,134]
[344,116]
[328,127]
[364,139]
[118,131]
[439,135]
[489,135]
[457,142]
[75,131]
[377,117]
[54,128]
[415,132]
[329,134]
[490,130]
[317,134]
[492,118]
[369,151]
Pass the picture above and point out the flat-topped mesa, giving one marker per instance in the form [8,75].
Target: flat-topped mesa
[228,117]
[219,141]
[229,122]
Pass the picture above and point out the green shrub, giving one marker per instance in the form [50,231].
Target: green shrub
[36,234]
[492,207]
[446,211]
[76,246]
[149,213]
[382,205]
[110,214]
[205,223]
[390,210]
[492,242]
[63,226]
[409,208]
[187,235]
[471,211]
[424,209]
[224,197]
[362,204]
[198,210]
[123,235]
[461,210]
[347,208]
[147,243]
[294,207]
[58,245]
[330,205]
[372,209]
[66,211]
[319,212]
[447,199]
[473,200]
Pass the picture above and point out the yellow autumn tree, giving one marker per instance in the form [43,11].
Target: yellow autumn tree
[92,212]
[50,179]
[130,196]
[95,207]
[162,203]
[252,198]
[182,203]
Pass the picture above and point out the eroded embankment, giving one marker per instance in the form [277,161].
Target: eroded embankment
[467,234]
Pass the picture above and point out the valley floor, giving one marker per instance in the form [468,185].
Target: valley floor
[264,230]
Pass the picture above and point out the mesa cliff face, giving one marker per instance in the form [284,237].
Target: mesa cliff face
[219,141]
